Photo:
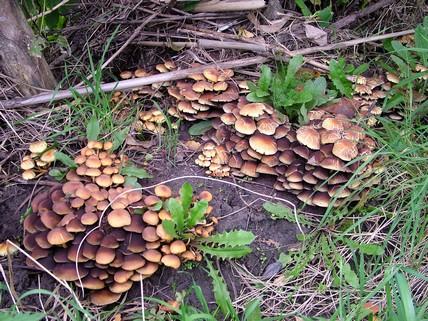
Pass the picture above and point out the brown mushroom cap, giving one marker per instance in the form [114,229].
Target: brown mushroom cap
[345,149]
[321,199]
[38,147]
[48,156]
[104,297]
[28,174]
[92,172]
[93,162]
[152,256]
[309,137]
[163,191]
[27,164]
[119,218]
[151,217]
[149,234]
[267,126]
[59,236]
[120,287]
[91,283]
[160,231]
[68,272]
[205,195]
[177,247]
[149,268]
[171,260]
[263,144]
[245,125]
[133,262]
[122,276]
[252,110]
[228,118]
[103,180]
[118,179]
[105,255]
[249,169]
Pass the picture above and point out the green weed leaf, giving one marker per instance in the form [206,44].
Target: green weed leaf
[132,181]
[226,253]
[338,77]
[303,7]
[119,137]
[93,128]
[169,228]
[230,239]
[293,66]
[197,213]
[65,159]
[186,195]
[252,311]
[22,316]
[177,213]
[349,275]
[421,41]
[324,16]
[134,171]
[200,128]
[264,80]
[57,174]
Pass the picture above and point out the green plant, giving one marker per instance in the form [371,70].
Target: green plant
[184,214]
[227,245]
[21,316]
[288,92]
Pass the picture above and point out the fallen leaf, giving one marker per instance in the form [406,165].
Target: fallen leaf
[272,27]
[316,35]
[192,145]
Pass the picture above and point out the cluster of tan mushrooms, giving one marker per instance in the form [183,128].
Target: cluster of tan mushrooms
[38,161]
[152,121]
[112,250]
[201,96]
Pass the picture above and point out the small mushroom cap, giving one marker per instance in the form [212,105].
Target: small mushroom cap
[68,272]
[245,125]
[263,144]
[151,200]
[149,234]
[119,218]
[252,110]
[205,195]
[122,276]
[249,169]
[152,256]
[149,268]
[151,217]
[91,283]
[171,260]
[267,126]
[93,162]
[108,145]
[118,179]
[228,118]
[309,137]
[105,255]
[177,247]
[133,262]
[59,236]
[163,191]
[120,287]
[92,172]
[48,156]
[89,218]
[103,180]
[211,74]
[27,164]
[321,199]
[83,193]
[38,147]
[28,174]
[104,297]
[345,149]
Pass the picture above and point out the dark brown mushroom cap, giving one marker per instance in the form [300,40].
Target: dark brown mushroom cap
[59,236]
[89,251]
[105,255]
[119,218]
[49,219]
[110,241]
[91,283]
[235,161]
[263,144]
[149,268]
[321,199]
[95,237]
[136,225]
[309,137]
[338,191]
[122,276]
[149,234]
[72,254]
[133,262]
[345,149]
[265,169]
[230,94]
[228,118]
[249,168]
[75,226]
[104,297]
[202,85]
[333,163]
[68,272]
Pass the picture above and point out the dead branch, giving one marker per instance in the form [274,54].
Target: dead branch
[228,5]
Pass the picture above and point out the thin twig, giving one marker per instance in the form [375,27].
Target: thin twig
[8,288]
[44,13]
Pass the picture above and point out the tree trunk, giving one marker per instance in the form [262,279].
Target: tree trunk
[16,60]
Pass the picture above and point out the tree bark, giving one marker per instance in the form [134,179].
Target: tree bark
[16,39]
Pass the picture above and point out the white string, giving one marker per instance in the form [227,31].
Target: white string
[8,288]
[142,297]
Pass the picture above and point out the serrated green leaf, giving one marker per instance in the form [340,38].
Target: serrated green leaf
[177,213]
[226,252]
[369,249]
[22,316]
[119,137]
[169,227]
[361,69]
[134,171]
[93,128]
[200,128]
[186,195]
[421,41]
[65,159]
[197,213]
[285,259]
[253,98]
[230,239]
[221,294]
[324,16]
[338,77]
[279,211]
[293,66]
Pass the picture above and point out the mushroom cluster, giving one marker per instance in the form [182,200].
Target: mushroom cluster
[312,162]
[111,232]
[143,91]
[152,121]
[201,96]
[38,161]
